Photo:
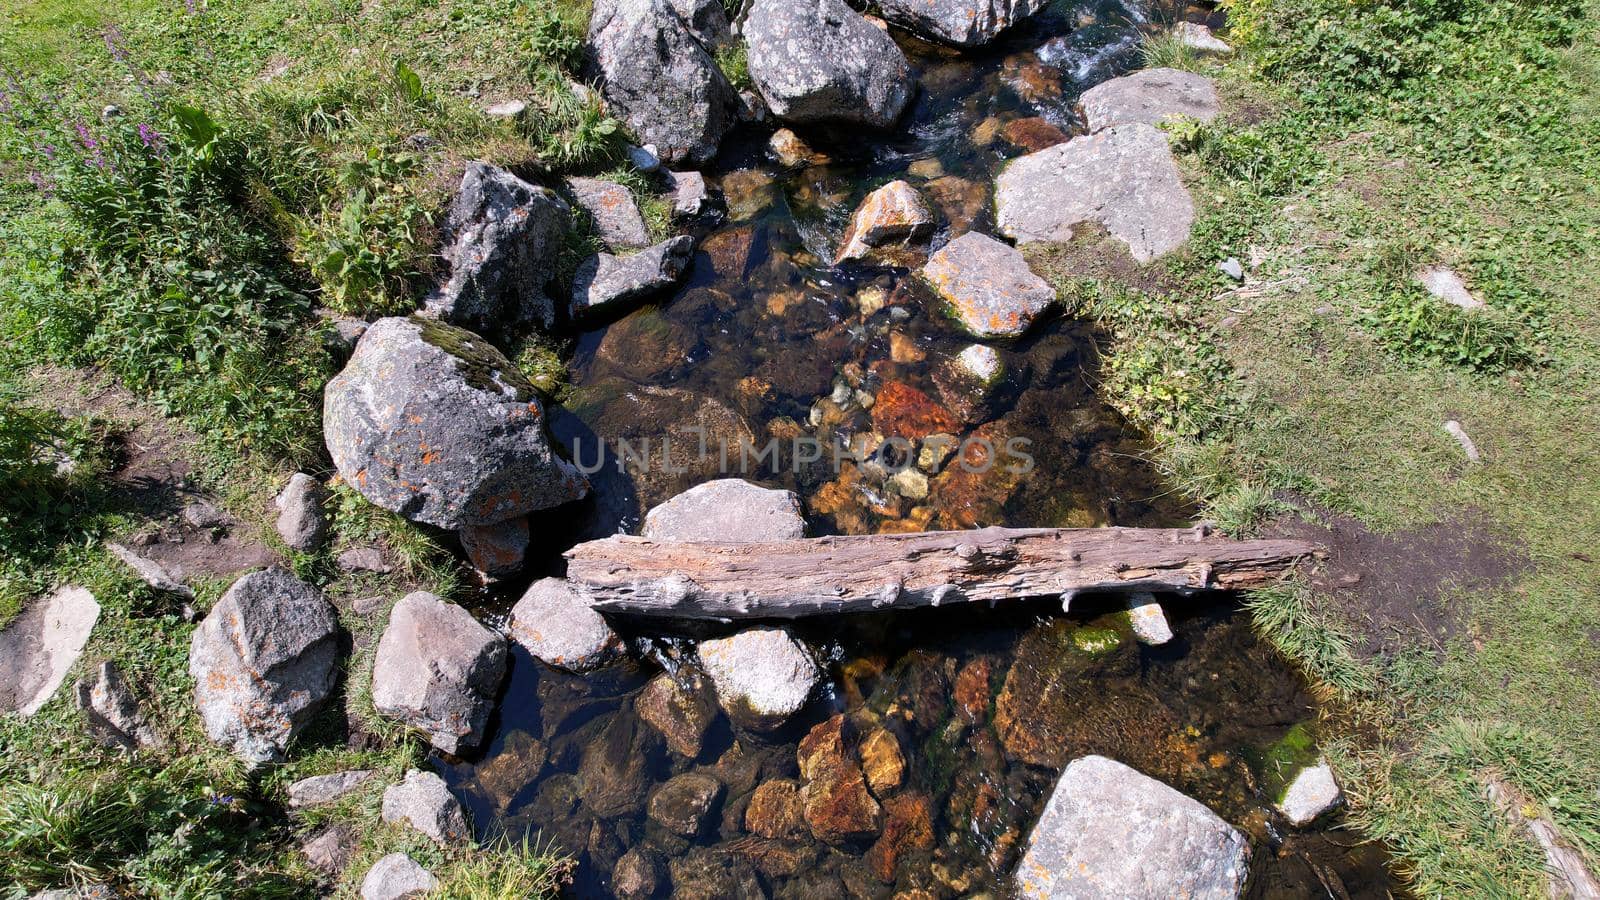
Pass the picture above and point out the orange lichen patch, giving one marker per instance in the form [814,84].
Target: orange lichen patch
[903,411]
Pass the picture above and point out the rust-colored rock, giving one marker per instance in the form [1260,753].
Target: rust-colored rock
[903,411]
[729,251]
[973,489]
[497,550]
[838,807]
[681,710]
[894,214]
[990,290]
[775,859]
[972,690]
[908,826]
[1033,133]
[882,761]
[776,810]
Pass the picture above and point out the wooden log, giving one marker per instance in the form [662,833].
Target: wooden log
[819,576]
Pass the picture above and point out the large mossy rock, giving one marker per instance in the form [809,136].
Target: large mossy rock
[432,422]
[820,62]
[660,80]
[264,660]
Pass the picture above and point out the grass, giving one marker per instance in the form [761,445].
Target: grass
[1364,142]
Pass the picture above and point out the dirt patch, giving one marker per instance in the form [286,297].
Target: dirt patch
[153,478]
[1094,254]
[1400,590]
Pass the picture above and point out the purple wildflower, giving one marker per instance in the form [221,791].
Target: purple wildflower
[40,182]
[151,138]
[85,138]
[112,35]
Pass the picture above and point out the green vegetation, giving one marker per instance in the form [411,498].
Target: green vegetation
[1364,142]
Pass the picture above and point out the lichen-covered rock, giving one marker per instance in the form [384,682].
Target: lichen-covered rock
[497,551]
[690,196]
[728,509]
[819,61]
[397,877]
[438,670]
[432,422]
[610,206]
[554,624]
[707,20]
[685,803]
[606,284]
[762,676]
[1110,831]
[680,706]
[660,80]
[1123,177]
[502,238]
[907,828]
[990,289]
[264,661]
[425,803]
[1149,622]
[893,214]
[302,523]
[965,23]
[1151,96]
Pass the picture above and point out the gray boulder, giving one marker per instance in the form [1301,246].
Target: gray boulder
[320,789]
[690,196]
[819,61]
[1110,831]
[610,206]
[264,660]
[397,877]
[762,676]
[892,214]
[965,23]
[558,628]
[728,509]
[605,283]
[1198,37]
[113,710]
[502,239]
[302,523]
[438,670]
[425,803]
[329,850]
[988,286]
[432,422]
[1123,177]
[658,78]
[707,20]
[1152,96]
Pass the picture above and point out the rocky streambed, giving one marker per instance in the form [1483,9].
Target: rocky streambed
[841,337]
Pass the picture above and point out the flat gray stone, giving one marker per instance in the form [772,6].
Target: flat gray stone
[819,61]
[438,670]
[611,208]
[964,23]
[989,288]
[264,660]
[425,803]
[605,283]
[397,877]
[39,647]
[1199,38]
[1150,97]
[1123,177]
[1110,831]
[728,509]
[1448,285]
[554,624]
[762,676]
[320,789]
[150,571]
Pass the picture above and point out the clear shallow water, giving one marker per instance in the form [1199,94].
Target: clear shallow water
[767,340]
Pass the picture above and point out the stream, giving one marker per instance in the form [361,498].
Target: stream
[766,340]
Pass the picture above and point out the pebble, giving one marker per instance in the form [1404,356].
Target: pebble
[1232,268]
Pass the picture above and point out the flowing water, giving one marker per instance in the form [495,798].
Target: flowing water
[766,340]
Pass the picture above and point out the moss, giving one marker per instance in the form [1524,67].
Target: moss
[483,366]
[1278,765]
[1096,640]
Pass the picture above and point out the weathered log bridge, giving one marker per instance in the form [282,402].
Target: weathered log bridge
[825,575]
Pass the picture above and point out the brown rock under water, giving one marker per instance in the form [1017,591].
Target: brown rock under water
[776,810]
[903,411]
[908,826]
[838,807]
[680,710]
[1033,133]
